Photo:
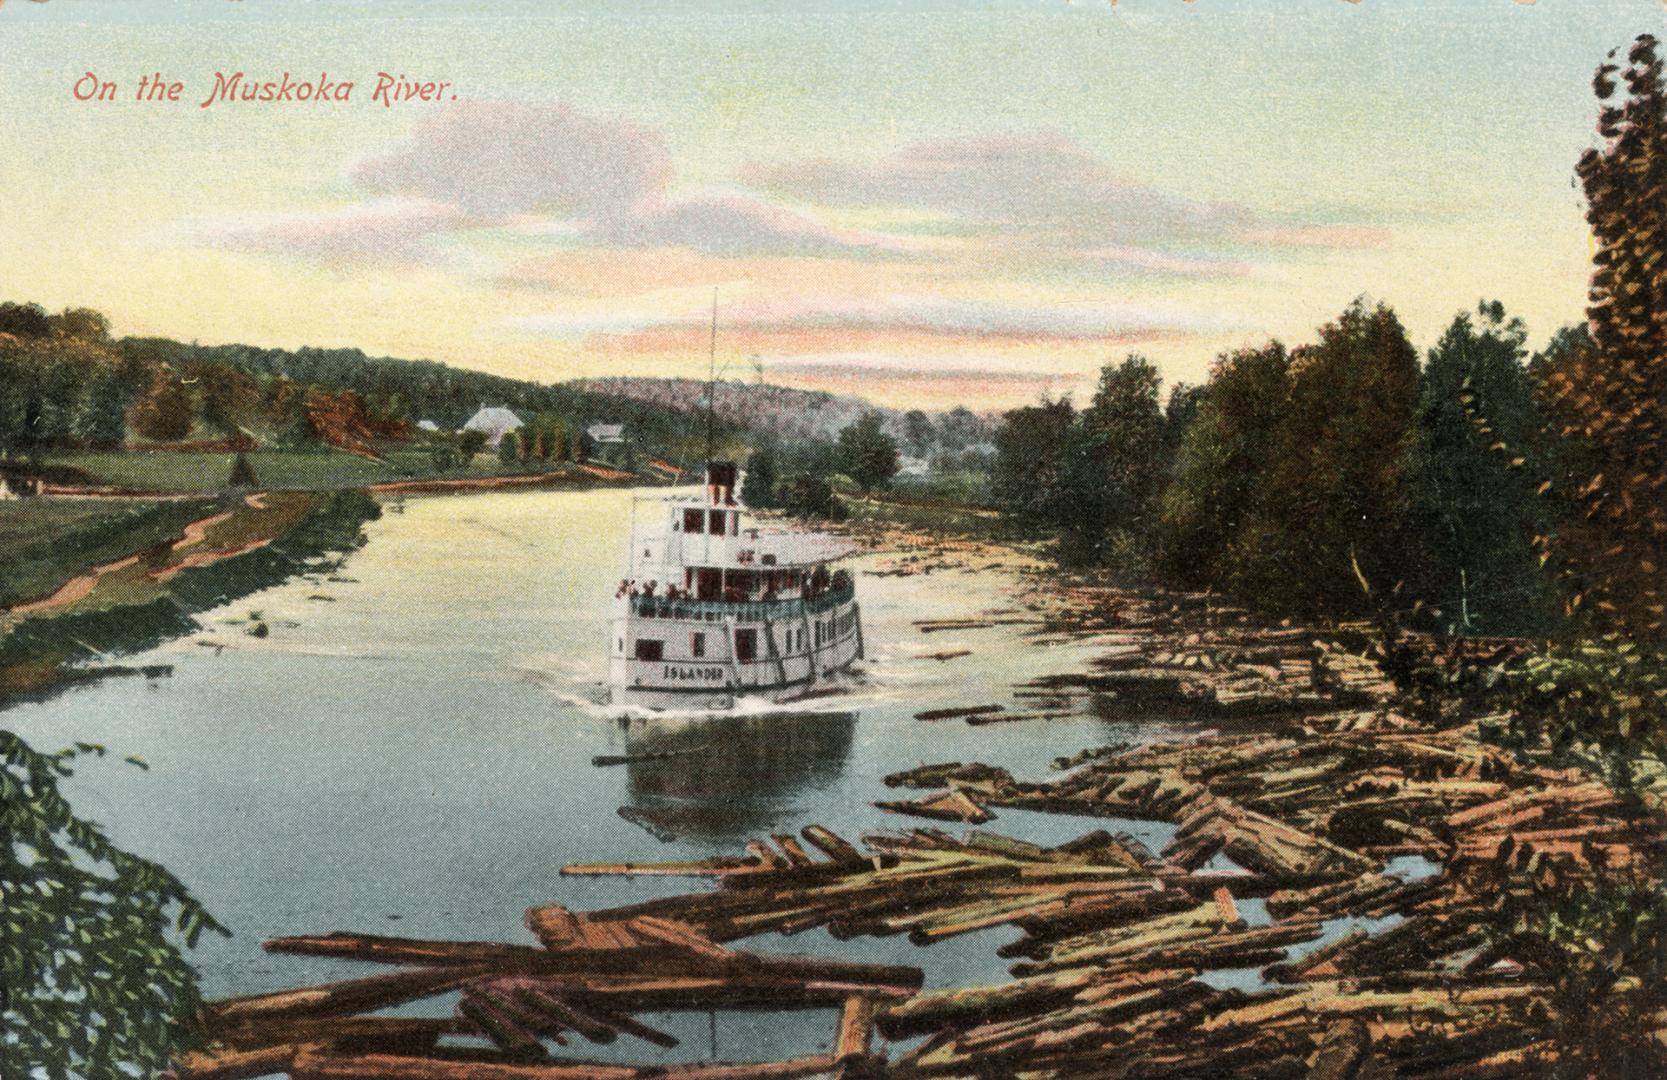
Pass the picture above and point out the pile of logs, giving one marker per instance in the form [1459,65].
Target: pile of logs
[586,981]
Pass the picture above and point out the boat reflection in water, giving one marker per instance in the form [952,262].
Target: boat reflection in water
[726,777]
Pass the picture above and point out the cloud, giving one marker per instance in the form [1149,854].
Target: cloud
[1028,181]
[495,160]
[390,231]
[1044,189]
[733,224]
[919,314]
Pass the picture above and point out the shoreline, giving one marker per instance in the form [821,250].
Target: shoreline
[123,606]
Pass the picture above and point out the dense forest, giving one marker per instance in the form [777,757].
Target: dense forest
[1324,479]
[70,384]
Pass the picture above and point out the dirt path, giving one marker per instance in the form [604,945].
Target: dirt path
[76,588]
[81,586]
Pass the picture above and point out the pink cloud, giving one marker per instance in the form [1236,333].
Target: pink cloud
[920,314]
[395,231]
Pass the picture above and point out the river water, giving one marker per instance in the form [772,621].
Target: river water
[409,750]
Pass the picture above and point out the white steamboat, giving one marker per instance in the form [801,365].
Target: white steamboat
[713,607]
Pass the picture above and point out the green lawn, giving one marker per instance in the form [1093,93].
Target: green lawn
[139,470]
[164,471]
[47,541]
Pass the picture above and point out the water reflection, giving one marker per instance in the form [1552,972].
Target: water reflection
[728,777]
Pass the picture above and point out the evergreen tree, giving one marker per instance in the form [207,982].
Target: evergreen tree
[243,473]
[509,448]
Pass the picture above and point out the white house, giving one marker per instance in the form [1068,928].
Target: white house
[427,425]
[606,434]
[494,422]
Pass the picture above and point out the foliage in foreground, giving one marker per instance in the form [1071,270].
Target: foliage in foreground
[1604,950]
[92,983]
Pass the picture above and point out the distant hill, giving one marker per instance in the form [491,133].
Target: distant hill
[792,414]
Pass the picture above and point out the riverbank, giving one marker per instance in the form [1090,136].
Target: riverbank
[92,568]
[1348,883]
[120,579]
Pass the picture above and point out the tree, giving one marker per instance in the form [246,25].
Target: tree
[101,416]
[93,982]
[509,448]
[1178,414]
[809,495]
[1113,463]
[80,324]
[1328,534]
[1222,461]
[470,443]
[1611,398]
[1473,476]
[165,413]
[561,443]
[24,320]
[243,473]
[758,486]
[918,434]
[960,428]
[584,446]
[866,453]
[1030,450]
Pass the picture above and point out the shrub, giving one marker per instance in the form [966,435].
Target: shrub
[92,982]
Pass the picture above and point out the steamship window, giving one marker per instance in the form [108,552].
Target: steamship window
[650,649]
[692,521]
[746,645]
[717,522]
[697,645]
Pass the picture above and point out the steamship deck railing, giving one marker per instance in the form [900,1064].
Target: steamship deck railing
[658,607]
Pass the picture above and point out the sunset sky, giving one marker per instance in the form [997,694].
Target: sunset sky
[929,203]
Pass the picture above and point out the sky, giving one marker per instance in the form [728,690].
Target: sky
[931,204]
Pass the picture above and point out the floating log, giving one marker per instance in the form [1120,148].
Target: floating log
[945,806]
[957,712]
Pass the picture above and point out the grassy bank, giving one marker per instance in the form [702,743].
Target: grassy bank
[49,541]
[284,470]
[152,594]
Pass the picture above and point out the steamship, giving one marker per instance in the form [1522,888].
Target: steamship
[714,608]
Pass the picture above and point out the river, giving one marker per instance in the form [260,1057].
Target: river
[409,750]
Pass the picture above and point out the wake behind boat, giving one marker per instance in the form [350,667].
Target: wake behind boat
[714,607]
